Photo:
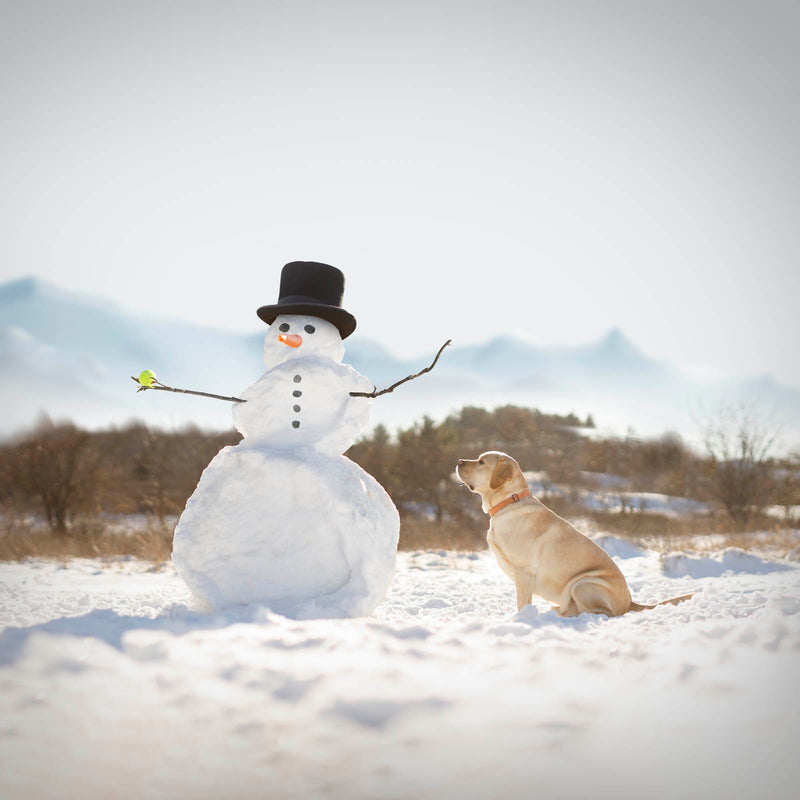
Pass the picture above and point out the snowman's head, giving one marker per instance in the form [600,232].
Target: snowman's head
[295,336]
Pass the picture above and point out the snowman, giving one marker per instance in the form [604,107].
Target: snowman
[283,518]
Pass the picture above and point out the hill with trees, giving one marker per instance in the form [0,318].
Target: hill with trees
[64,490]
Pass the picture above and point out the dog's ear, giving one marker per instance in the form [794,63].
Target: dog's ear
[503,471]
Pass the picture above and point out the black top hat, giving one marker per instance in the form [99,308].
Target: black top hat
[314,289]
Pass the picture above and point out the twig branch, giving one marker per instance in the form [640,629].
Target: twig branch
[376,393]
[162,387]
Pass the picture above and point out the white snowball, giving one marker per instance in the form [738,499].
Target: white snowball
[305,533]
[305,401]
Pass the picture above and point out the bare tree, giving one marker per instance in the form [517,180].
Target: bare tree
[738,443]
[56,467]
[423,466]
[787,488]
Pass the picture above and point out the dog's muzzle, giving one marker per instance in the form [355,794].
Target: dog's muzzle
[461,462]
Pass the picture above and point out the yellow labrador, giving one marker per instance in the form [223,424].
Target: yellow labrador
[541,552]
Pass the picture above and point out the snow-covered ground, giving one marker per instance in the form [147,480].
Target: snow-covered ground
[112,687]
[611,490]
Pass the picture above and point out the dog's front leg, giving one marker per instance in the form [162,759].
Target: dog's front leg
[524,582]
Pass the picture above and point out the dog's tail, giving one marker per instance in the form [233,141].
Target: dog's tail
[672,601]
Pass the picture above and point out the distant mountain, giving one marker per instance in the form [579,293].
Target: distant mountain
[71,356]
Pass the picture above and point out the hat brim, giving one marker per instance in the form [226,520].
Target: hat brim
[344,321]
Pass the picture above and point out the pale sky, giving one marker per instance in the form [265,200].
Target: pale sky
[544,169]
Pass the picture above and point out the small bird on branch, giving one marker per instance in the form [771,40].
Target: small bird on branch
[147,380]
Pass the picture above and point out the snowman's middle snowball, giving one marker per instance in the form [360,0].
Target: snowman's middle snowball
[303,399]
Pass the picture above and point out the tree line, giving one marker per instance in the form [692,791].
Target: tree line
[63,473]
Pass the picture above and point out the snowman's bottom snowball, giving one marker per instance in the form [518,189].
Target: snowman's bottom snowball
[307,534]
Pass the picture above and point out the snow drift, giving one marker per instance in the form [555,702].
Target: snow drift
[113,687]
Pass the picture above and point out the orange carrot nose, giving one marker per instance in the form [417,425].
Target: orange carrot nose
[292,339]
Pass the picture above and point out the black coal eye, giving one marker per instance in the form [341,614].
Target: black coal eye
[284,327]
[480,461]
[309,329]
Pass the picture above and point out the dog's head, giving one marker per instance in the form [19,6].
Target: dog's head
[490,474]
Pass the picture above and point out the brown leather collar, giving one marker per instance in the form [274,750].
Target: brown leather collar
[515,498]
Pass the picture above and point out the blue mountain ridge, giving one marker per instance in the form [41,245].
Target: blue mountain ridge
[70,356]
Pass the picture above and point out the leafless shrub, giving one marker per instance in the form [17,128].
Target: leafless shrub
[739,442]
[419,533]
[89,538]
[787,489]
[55,467]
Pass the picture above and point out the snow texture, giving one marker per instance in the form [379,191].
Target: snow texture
[112,686]
[309,536]
[610,493]
[283,518]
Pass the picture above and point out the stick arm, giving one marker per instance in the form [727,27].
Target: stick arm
[376,393]
[162,387]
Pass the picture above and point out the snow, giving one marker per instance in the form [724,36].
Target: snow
[113,686]
[307,533]
[731,561]
[308,378]
[283,518]
[787,514]
[611,491]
